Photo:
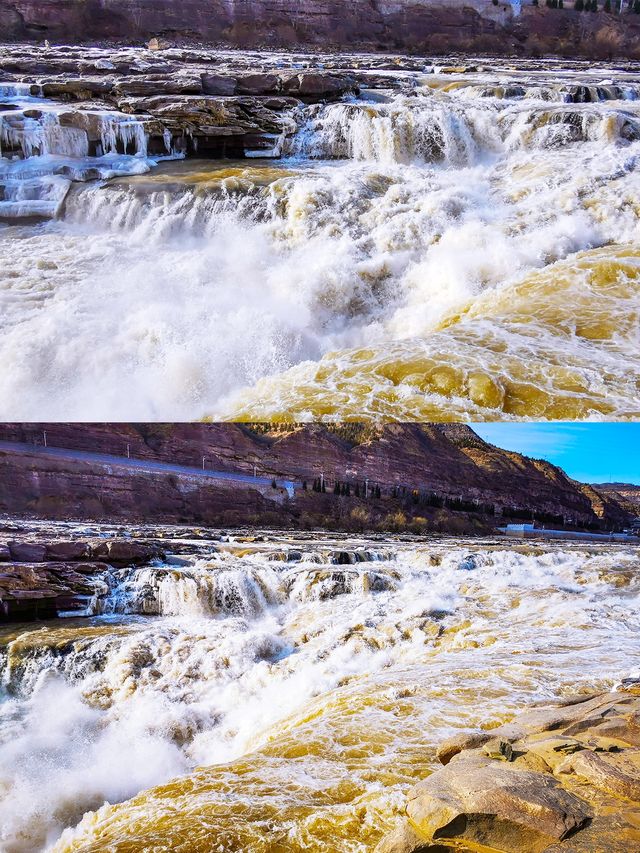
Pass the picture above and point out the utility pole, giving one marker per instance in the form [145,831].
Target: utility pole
[128,451]
[366,487]
[203,458]
[321,480]
[45,437]
[255,471]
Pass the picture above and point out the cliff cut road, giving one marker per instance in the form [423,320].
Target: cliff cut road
[143,464]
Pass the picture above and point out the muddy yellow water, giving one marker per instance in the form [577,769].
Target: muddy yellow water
[275,706]
[454,246]
[559,344]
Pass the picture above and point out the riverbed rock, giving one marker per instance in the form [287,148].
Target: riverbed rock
[156,85]
[314,86]
[616,773]
[404,839]
[546,780]
[259,84]
[27,552]
[219,84]
[123,552]
[456,744]
[31,591]
[486,802]
[68,551]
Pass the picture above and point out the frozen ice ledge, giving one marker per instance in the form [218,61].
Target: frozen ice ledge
[70,114]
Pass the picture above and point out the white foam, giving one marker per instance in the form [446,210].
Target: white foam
[106,717]
[143,304]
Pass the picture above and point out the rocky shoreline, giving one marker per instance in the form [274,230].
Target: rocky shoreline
[52,578]
[559,778]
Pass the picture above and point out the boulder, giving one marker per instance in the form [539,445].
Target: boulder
[27,552]
[520,787]
[404,839]
[159,44]
[123,552]
[456,744]
[67,551]
[75,89]
[474,799]
[258,84]
[219,84]
[613,772]
[318,86]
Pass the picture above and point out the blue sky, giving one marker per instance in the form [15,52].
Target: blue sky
[591,452]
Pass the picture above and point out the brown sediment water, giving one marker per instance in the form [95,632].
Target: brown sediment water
[455,246]
[275,704]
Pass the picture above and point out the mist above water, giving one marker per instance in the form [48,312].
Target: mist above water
[192,290]
[252,659]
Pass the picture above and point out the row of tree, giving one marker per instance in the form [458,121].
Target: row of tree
[417,497]
[592,5]
[345,489]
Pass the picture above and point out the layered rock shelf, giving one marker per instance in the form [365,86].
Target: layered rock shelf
[185,102]
[558,778]
[43,580]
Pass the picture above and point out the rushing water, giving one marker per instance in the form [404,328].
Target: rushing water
[283,696]
[460,246]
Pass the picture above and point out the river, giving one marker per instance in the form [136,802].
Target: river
[450,246]
[282,692]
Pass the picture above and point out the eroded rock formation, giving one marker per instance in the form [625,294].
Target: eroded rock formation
[413,25]
[562,778]
[407,461]
[41,580]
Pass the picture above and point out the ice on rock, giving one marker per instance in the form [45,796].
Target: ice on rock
[45,146]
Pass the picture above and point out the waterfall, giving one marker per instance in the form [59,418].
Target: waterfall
[206,590]
[455,134]
[265,665]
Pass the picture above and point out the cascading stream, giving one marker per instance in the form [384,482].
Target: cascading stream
[401,260]
[252,667]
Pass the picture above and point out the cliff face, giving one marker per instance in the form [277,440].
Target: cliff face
[432,26]
[626,495]
[401,458]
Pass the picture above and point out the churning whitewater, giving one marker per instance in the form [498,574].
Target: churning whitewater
[283,694]
[440,246]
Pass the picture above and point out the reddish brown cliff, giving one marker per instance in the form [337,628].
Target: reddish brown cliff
[408,462]
[431,26]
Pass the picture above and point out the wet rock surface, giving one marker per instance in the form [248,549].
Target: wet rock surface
[558,778]
[43,580]
[186,102]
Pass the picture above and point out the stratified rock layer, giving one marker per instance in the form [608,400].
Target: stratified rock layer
[41,580]
[418,25]
[401,458]
[564,778]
